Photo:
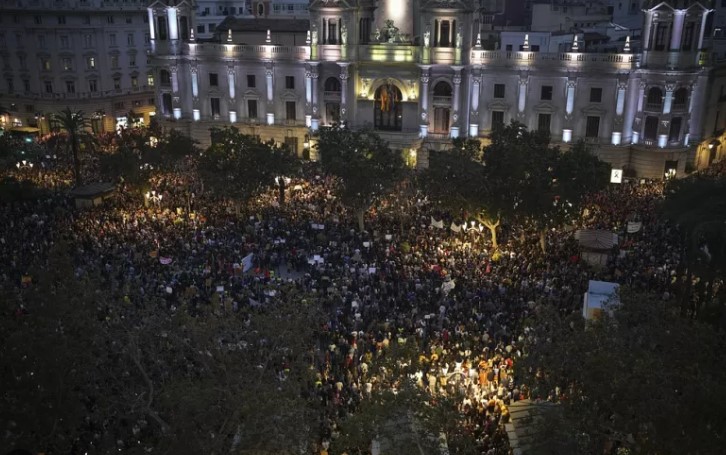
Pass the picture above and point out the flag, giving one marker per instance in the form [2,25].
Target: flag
[455,227]
[247,262]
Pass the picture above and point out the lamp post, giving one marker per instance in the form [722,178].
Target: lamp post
[154,197]
[24,165]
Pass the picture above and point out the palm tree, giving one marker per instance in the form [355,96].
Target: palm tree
[76,126]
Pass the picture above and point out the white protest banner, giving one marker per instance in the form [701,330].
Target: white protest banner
[220,288]
[455,227]
[389,237]
[616,176]
[437,224]
[634,226]
[165,260]
[366,244]
[247,262]
[371,270]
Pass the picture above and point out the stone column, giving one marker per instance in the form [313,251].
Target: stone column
[308,96]
[269,71]
[641,95]
[231,82]
[620,102]
[474,114]
[424,96]
[343,91]
[522,100]
[457,90]
[172,23]
[668,100]
[152,24]
[646,30]
[702,30]
[174,79]
[679,17]
[195,82]
[315,124]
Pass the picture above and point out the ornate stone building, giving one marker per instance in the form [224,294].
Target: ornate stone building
[88,55]
[417,72]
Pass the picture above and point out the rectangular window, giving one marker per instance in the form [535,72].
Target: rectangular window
[91,63]
[499,90]
[112,39]
[61,20]
[543,122]
[67,64]
[64,42]
[290,110]
[48,86]
[130,19]
[150,80]
[213,80]
[93,86]
[134,82]
[674,134]
[11,87]
[117,83]
[215,106]
[109,19]
[130,39]
[595,95]
[70,87]
[592,127]
[546,93]
[200,29]
[114,61]
[290,82]
[252,108]
[212,28]
[87,40]
[497,119]
[41,41]
[26,85]
[38,20]
[251,82]
[132,60]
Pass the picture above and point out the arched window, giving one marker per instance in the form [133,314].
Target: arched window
[165,77]
[655,98]
[388,111]
[442,89]
[332,85]
[680,98]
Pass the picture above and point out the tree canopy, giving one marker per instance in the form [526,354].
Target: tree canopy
[642,378]
[363,161]
[238,165]
[76,125]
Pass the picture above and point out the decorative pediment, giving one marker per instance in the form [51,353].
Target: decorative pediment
[499,106]
[290,95]
[594,110]
[545,108]
[251,94]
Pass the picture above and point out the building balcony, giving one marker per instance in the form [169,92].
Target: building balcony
[673,60]
[570,60]
[443,55]
[393,53]
[441,101]
[247,52]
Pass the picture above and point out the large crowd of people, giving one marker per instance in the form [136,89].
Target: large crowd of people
[411,277]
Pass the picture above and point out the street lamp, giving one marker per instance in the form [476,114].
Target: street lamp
[154,197]
[24,165]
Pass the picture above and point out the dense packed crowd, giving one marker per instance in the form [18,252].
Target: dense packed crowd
[403,280]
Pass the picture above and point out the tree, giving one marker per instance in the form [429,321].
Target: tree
[642,378]
[76,127]
[367,167]
[461,182]
[697,205]
[239,165]
[545,184]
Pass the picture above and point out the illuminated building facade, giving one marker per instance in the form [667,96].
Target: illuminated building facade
[417,72]
[89,55]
